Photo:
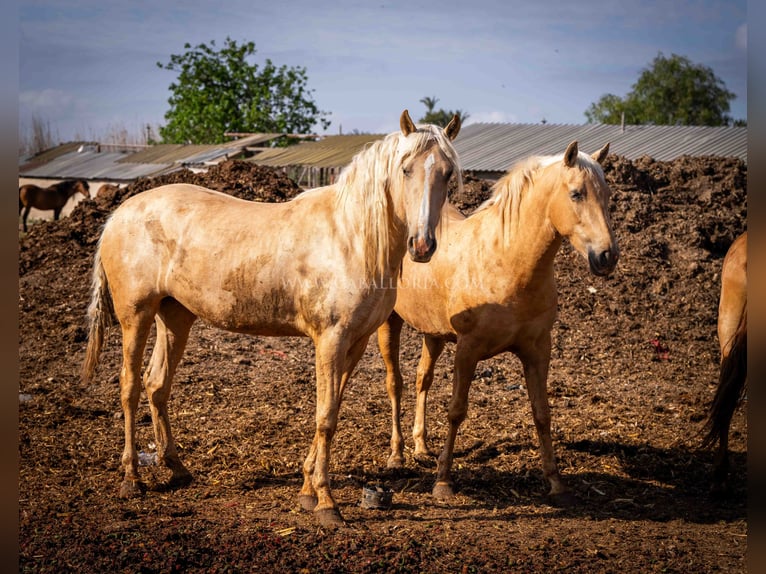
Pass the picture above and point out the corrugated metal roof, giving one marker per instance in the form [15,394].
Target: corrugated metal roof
[483,147]
[331,151]
[222,151]
[196,153]
[163,153]
[49,155]
[90,164]
[496,147]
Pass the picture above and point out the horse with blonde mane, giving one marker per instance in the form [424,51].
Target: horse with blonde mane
[54,197]
[732,339]
[320,265]
[491,289]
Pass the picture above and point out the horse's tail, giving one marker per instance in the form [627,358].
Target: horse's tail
[100,313]
[731,386]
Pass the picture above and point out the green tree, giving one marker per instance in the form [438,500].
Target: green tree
[219,91]
[673,91]
[439,117]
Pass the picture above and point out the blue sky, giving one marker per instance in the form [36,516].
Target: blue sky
[89,67]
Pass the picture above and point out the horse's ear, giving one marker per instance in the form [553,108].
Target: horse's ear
[453,128]
[570,156]
[406,123]
[601,154]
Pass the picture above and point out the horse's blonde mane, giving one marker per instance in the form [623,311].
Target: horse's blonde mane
[363,187]
[510,190]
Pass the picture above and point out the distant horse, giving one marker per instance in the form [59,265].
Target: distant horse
[732,339]
[54,197]
[321,266]
[107,188]
[491,289]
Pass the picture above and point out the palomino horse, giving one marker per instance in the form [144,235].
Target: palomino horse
[491,288]
[320,266]
[732,338]
[54,197]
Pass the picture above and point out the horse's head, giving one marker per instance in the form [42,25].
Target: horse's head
[427,163]
[579,209]
[83,187]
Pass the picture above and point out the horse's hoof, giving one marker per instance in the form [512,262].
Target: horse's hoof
[132,488]
[427,459]
[395,462]
[329,518]
[181,479]
[563,499]
[443,491]
[307,501]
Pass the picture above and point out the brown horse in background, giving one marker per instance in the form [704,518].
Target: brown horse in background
[732,338]
[491,289]
[54,197]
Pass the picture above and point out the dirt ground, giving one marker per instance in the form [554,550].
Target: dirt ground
[625,422]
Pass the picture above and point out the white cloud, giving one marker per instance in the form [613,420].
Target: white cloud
[45,102]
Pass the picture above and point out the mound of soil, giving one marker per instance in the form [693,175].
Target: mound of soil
[626,418]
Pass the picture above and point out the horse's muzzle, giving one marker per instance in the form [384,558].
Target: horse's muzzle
[422,248]
[603,263]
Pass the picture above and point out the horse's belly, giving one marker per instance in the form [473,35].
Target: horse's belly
[425,314]
[268,311]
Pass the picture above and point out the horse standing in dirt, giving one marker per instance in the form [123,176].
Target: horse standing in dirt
[491,289]
[321,266]
[732,339]
[54,197]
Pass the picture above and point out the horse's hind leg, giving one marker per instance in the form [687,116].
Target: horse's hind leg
[429,354]
[173,324]
[465,365]
[135,332]
[389,334]
[536,360]
[721,461]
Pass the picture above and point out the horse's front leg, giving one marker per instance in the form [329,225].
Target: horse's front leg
[27,209]
[335,361]
[465,364]
[536,360]
[57,213]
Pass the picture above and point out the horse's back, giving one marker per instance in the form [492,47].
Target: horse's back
[187,225]
[32,195]
[244,266]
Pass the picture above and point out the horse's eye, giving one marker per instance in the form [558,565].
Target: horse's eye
[576,195]
[407,171]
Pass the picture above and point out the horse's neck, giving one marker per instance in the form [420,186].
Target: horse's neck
[65,189]
[523,237]
[371,229]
